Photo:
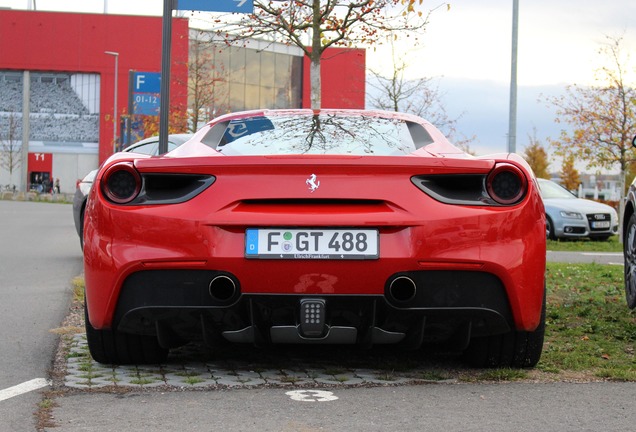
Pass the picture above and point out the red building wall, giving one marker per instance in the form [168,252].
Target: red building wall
[342,73]
[73,42]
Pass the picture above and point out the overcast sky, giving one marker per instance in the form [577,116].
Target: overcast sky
[558,39]
[469,49]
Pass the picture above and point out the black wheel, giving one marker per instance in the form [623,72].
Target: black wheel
[549,228]
[629,252]
[112,347]
[81,233]
[517,349]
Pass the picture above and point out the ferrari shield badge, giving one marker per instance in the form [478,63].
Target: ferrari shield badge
[312,183]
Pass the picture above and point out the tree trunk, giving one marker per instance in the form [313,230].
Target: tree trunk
[316,53]
[314,80]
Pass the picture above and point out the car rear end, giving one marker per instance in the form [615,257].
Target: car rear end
[302,248]
[398,255]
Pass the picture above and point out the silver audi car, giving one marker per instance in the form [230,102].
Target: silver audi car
[570,217]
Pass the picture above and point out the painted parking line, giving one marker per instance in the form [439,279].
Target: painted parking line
[312,395]
[25,387]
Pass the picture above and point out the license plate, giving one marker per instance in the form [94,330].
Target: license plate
[294,243]
[605,224]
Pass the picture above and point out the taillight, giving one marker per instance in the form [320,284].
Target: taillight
[121,183]
[506,184]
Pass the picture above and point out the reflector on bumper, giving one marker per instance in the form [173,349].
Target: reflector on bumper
[312,317]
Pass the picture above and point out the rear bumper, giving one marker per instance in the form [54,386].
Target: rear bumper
[181,305]
[518,265]
[416,234]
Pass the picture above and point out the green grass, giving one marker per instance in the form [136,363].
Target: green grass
[611,245]
[194,380]
[78,289]
[589,328]
[47,404]
[502,374]
[434,375]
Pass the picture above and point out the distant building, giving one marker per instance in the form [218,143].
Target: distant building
[604,187]
[599,187]
[258,74]
[72,83]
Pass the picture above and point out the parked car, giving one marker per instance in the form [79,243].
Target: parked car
[629,242]
[79,203]
[316,227]
[149,146]
[570,217]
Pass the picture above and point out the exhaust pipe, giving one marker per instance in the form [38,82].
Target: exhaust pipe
[222,288]
[402,289]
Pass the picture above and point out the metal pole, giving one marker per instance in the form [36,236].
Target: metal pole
[512,122]
[131,116]
[26,110]
[116,55]
[164,95]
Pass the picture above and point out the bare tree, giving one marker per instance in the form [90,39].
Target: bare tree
[316,25]
[395,93]
[420,96]
[205,79]
[11,156]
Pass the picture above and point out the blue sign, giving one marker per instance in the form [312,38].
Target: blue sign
[146,103]
[132,130]
[146,82]
[241,6]
[146,93]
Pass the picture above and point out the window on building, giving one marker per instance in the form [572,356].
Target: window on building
[250,78]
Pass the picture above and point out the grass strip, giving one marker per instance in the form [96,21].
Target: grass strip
[588,325]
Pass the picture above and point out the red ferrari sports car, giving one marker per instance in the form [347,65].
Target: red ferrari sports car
[316,227]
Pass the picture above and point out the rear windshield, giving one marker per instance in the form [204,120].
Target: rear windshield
[317,134]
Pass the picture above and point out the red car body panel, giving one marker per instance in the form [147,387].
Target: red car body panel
[416,231]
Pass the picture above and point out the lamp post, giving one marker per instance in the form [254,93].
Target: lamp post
[512,118]
[116,55]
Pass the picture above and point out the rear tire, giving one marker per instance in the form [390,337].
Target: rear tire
[113,347]
[629,253]
[549,228]
[81,225]
[515,349]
